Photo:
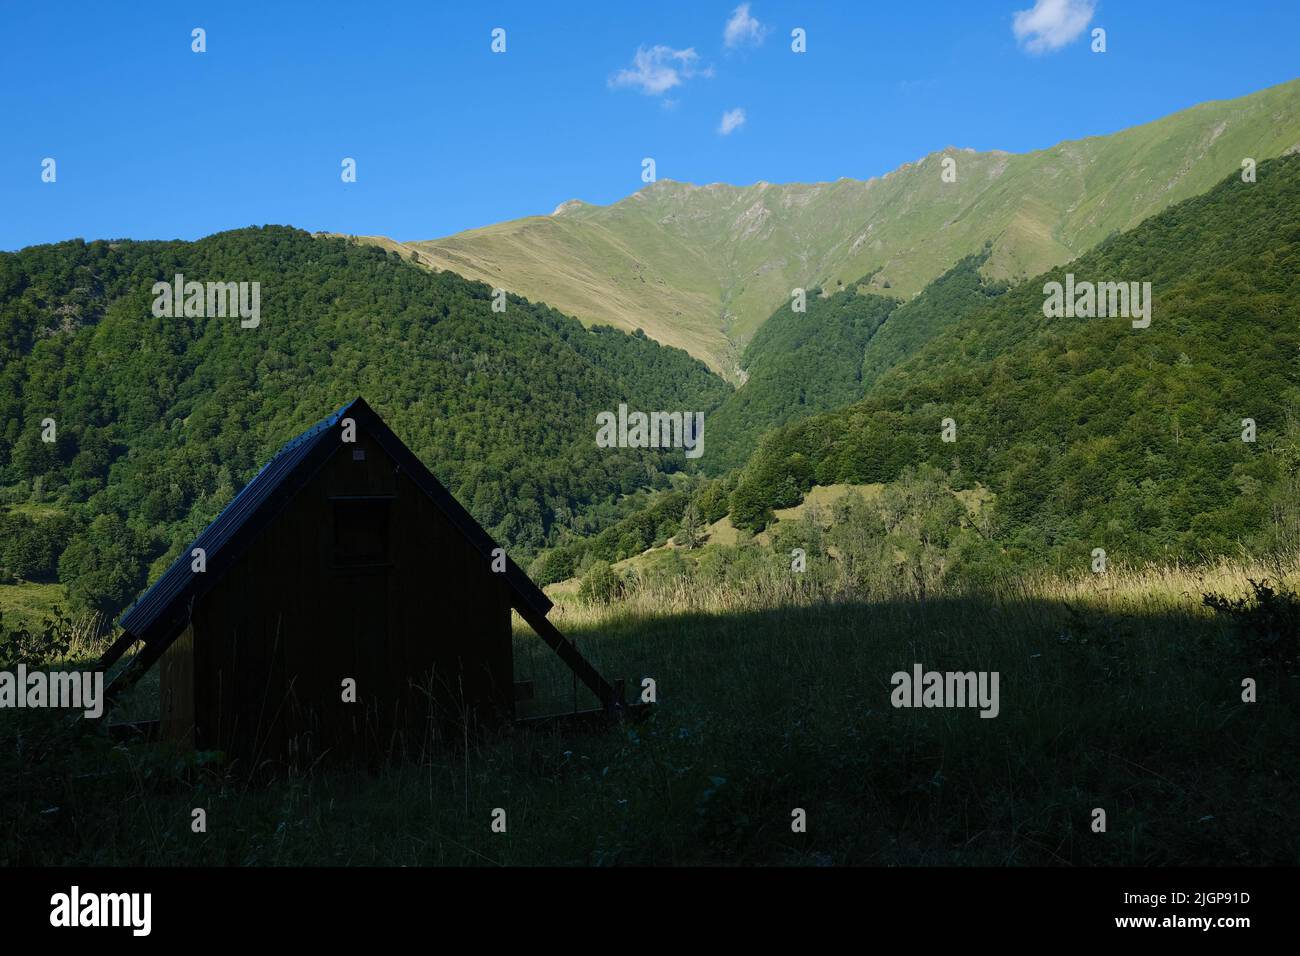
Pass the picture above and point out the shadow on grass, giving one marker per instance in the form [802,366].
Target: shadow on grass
[759,715]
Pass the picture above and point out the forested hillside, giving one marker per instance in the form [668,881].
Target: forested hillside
[1090,432]
[960,291]
[159,421]
[802,363]
[799,363]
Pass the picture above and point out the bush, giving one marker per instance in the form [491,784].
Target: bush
[1268,622]
[552,566]
[39,648]
[602,585]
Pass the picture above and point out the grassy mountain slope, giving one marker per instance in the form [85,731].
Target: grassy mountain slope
[1091,433]
[160,420]
[702,267]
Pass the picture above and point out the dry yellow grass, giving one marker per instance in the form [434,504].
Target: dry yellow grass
[1120,590]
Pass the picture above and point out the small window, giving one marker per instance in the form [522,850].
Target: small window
[361,531]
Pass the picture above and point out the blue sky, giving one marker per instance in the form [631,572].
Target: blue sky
[155,141]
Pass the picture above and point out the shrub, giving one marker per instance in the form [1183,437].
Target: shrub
[601,585]
[40,648]
[1268,622]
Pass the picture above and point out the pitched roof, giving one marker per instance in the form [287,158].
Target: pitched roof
[163,611]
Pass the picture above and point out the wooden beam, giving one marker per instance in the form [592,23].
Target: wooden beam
[133,671]
[589,676]
[115,651]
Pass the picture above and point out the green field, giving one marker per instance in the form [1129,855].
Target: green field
[28,603]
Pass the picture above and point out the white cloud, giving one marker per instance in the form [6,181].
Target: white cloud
[1051,24]
[658,69]
[742,29]
[732,120]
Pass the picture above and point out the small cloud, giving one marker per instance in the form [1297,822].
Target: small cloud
[1051,24]
[742,29]
[658,69]
[732,120]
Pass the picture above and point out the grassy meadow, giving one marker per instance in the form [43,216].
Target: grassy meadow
[27,603]
[1120,691]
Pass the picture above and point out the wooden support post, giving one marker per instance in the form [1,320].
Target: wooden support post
[582,670]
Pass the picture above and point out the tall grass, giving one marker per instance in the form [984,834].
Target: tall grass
[1119,691]
[1121,588]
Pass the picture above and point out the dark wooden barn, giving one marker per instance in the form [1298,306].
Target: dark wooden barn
[344,559]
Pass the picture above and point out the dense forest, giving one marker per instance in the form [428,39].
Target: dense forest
[829,356]
[157,422]
[798,363]
[1092,433]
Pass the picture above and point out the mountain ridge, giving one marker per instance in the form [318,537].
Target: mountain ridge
[701,267]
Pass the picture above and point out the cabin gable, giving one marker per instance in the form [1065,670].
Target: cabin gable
[360,577]
[348,605]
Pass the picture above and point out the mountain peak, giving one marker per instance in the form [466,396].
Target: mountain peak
[702,267]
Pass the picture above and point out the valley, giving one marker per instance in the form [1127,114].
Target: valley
[998,513]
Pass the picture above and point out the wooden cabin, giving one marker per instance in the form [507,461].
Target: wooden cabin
[343,560]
